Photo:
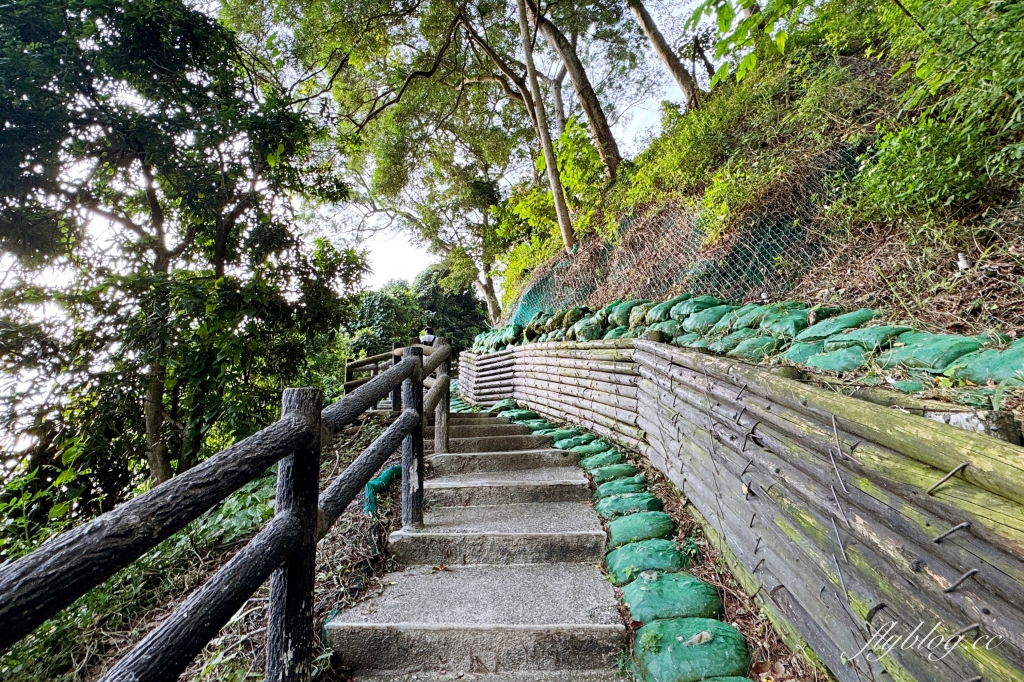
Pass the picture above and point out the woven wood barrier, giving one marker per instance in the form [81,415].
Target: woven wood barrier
[837,514]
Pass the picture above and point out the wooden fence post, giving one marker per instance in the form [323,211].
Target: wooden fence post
[412,446]
[290,621]
[396,394]
[441,411]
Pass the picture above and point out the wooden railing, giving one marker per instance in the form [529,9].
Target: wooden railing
[39,585]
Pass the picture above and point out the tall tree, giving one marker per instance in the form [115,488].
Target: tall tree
[591,105]
[544,133]
[141,124]
[682,76]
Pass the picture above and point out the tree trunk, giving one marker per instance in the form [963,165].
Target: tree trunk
[698,49]
[156,448]
[599,128]
[556,95]
[664,51]
[485,286]
[555,180]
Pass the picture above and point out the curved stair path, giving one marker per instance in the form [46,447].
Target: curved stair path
[502,582]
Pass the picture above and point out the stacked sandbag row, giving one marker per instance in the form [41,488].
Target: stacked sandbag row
[680,639]
[485,379]
[821,338]
[593,386]
[841,516]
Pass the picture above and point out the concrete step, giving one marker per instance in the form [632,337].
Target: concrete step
[498,443]
[524,533]
[473,430]
[551,618]
[548,484]
[471,416]
[469,462]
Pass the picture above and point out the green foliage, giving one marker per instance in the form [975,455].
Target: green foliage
[449,305]
[383,318]
[163,203]
[924,167]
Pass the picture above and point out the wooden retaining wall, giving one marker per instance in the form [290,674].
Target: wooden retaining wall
[820,502]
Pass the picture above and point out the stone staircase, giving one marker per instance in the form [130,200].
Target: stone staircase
[502,582]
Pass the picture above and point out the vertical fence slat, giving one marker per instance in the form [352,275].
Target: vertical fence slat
[290,622]
[441,411]
[412,446]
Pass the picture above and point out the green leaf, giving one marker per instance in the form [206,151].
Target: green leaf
[720,74]
[780,40]
[59,510]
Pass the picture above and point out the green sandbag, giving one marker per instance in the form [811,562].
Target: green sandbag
[619,315]
[592,448]
[502,405]
[908,386]
[555,321]
[670,328]
[699,342]
[627,562]
[868,338]
[638,315]
[641,526]
[622,486]
[574,315]
[519,415]
[633,333]
[799,352]
[630,503]
[727,343]
[537,424]
[933,352]
[562,434]
[757,348]
[826,328]
[615,333]
[787,324]
[681,311]
[753,317]
[842,360]
[725,325]
[983,366]
[656,596]
[589,329]
[706,319]
[660,312]
[603,459]
[685,339]
[689,650]
[570,443]
[610,473]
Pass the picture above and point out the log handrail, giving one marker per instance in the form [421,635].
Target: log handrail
[40,584]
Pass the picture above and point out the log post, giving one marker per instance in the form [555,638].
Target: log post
[396,394]
[412,446]
[290,621]
[441,411]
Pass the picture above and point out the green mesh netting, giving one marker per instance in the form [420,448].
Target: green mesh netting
[668,251]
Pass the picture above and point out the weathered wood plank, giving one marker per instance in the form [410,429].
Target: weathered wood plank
[995,466]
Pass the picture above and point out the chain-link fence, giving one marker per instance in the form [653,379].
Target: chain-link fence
[667,251]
